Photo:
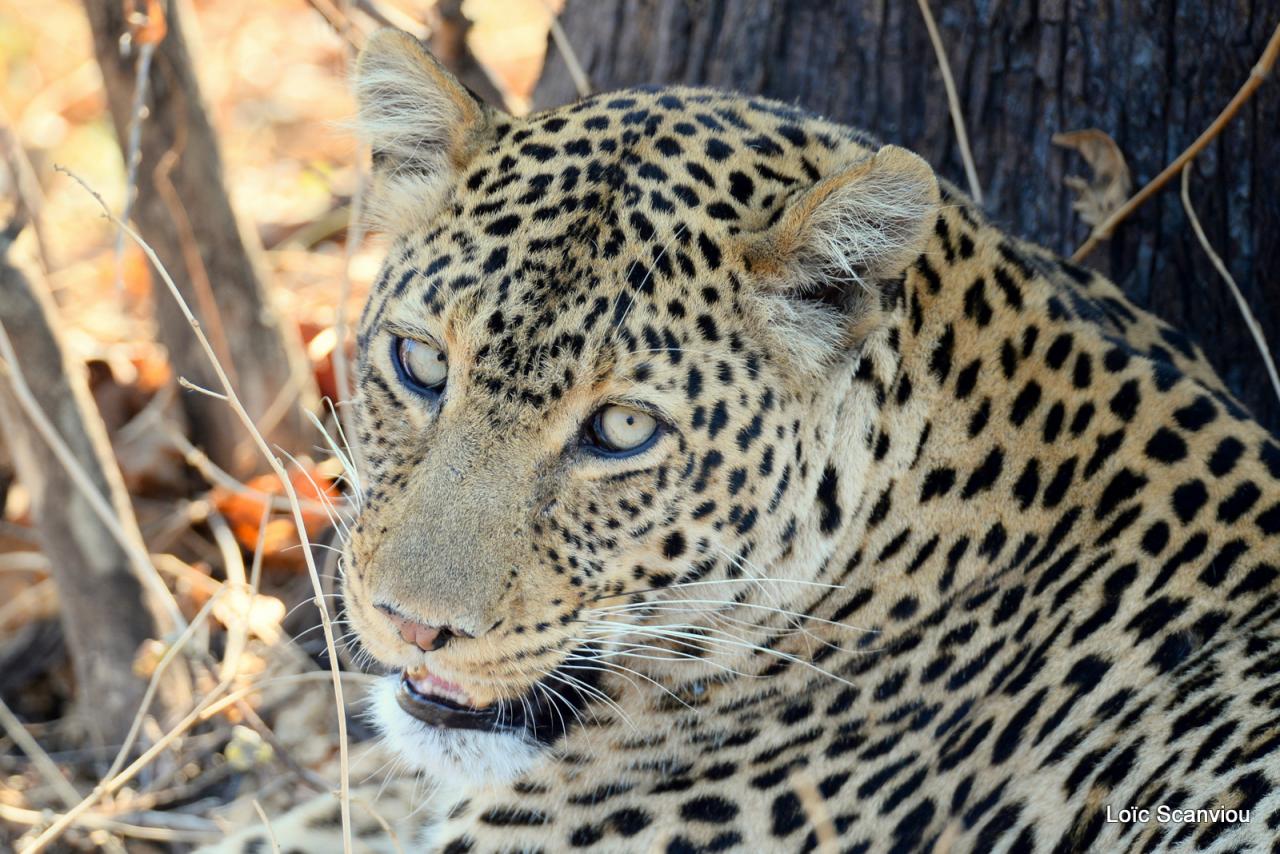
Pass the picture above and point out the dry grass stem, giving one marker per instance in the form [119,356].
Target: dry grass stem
[219,706]
[110,785]
[1259,73]
[381,820]
[37,599]
[159,828]
[233,563]
[217,476]
[389,16]
[46,766]
[24,562]
[341,24]
[199,389]
[1255,328]
[170,653]
[341,321]
[135,551]
[279,470]
[581,81]
[815,809]
[953,102]
[271,834]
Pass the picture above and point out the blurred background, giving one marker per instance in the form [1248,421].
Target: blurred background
[164,669]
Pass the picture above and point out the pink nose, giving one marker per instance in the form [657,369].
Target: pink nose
[427,638]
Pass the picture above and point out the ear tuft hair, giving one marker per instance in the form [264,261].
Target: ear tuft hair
[421,124]
[825,259]
[860,225]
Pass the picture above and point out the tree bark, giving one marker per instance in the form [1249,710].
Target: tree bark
[448,41]
[183,211]
[1151,73]
[105,612]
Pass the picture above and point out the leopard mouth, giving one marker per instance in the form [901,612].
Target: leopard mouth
[542,713]
[442,704]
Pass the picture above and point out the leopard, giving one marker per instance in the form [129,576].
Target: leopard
[731,482]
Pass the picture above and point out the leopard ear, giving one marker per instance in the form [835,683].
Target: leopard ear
[855,227]
[422,125]
[826,256]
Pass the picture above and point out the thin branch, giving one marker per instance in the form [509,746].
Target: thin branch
[389,17]
[154,830]
[581,81]
[341,23]
[1259,73]
[156,675]
[216,476]
[953,102]
[271,835]
[27,187]
[280,472]
[113,784]
[46,766]
[1255,328]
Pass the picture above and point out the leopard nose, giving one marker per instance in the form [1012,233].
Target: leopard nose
[425,637]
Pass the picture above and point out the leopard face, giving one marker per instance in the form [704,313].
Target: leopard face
[578,395]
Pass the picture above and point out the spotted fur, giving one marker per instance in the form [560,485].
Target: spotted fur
[946,545]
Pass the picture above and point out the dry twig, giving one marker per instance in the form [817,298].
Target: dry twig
[1259,73]
[953,102]
[159,827]
[271,835]
[581,81]
[46,766]
[1255,328]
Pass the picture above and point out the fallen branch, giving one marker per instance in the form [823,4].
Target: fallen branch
[1259,73]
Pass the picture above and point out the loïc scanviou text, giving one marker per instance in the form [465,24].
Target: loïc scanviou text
[1165,814]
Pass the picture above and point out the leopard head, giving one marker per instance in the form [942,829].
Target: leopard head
[608,344]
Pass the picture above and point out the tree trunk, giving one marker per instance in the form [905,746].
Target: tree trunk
[183,211]
[105,613]
[1151,73]
[448,41]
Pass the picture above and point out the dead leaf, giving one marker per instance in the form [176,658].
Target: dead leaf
[147,27]
[259,613]
[281,546]
[1111,184]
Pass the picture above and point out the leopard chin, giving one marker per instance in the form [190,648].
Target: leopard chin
[448,755]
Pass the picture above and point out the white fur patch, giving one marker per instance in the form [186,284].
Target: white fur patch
[468,758]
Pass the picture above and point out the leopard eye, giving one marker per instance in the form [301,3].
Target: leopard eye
[421,365]
[620,430]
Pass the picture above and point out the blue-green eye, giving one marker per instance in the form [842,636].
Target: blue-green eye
[620,431]
[422,366]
